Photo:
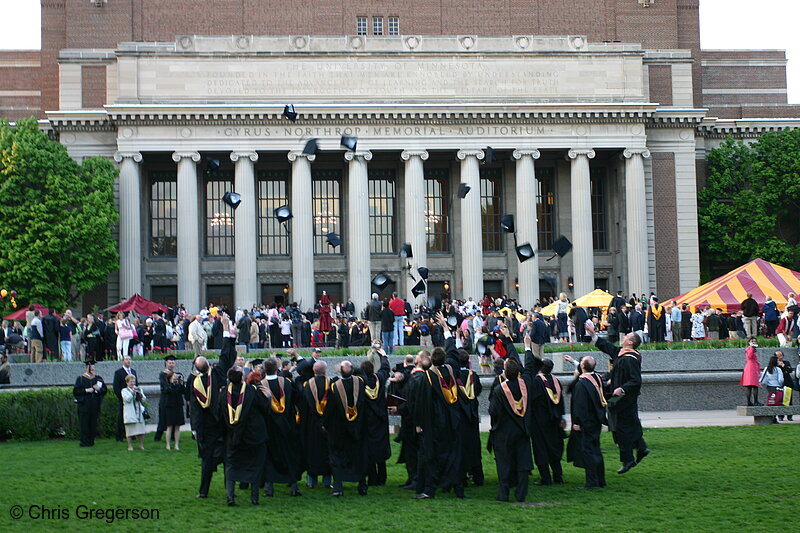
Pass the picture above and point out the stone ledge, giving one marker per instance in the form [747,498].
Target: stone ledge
[767,410]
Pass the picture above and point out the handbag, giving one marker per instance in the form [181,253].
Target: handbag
[775,398]
[787,395]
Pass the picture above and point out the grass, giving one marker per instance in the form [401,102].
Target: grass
[699,479]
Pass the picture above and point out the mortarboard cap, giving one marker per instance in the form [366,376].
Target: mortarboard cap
[463,189]
[349,142]
[255,362]
[289,112]
[507,223]
[232,199]
[561,246]
[525,252]
[311,147]
[405,250]
[382,280]
[419,288]
[490,156]
[423,272]
[283,213]
[170,358]
[90,362]
[212,164]
[333,240]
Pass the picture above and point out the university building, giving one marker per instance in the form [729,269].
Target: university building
[589,119]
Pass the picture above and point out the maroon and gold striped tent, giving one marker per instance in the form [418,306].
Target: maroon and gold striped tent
[759,277]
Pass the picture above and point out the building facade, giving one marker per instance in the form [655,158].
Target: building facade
[589,119]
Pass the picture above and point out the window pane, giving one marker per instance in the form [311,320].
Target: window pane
[437,211]
[546,206]
[598,179]
[361,25]
[326,207]
[219,215]
[381,210]
[491,210]
[394,25]
[273,192]
[163,214]
[377,26]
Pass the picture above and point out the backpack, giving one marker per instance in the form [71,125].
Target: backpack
[424,330]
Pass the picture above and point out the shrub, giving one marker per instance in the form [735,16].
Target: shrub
[49,413]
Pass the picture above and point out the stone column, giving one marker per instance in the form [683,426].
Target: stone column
[302,227]
[130,232]
[359,271]
[415,207]
[471,230]
[189,231]
[527,228]
[582,247]
[636,220]
[245,291]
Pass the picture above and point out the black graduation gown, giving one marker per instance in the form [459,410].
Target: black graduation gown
[545,430]
[583,449]
[347,441]
[376,416]
[206,423]
[88,406]
[245,450]
[312,436]
[470,420]
[283,464]
[627,374]
[440,442]
[174,395]
[50,327]
[509,435]
[408,439]
[215,341]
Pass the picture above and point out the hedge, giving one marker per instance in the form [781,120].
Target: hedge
[48,414]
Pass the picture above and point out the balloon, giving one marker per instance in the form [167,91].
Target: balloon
[13,294]
[3,293]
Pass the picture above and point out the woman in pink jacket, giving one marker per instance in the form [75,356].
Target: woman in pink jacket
[751,372]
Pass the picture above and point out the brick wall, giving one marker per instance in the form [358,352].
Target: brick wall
[20,79]
[93,86]
[660,84]
[666,224]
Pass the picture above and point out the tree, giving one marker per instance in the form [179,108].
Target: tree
[751,205]
[56,218]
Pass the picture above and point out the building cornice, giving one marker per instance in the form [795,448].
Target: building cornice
[716,128]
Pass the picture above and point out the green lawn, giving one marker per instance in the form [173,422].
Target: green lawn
[702,479]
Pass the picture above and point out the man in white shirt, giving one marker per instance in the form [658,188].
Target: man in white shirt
[197,335]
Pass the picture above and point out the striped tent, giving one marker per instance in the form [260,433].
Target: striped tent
[759,277]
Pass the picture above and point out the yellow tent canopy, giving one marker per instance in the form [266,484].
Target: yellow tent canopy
[596,298]
[550,309]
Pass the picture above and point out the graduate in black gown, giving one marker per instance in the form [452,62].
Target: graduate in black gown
[242,409]
[345,424]
[376,419]
[546,405]
[509,436]
[402,387]
[284,456]
[588,410]
[205,384]
[437,417]
[314,401]
[626,382]
[89,391]
[163,382]
[174,395]
[469,388]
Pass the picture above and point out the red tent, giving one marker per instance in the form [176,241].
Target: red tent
[20,313]
[138,304]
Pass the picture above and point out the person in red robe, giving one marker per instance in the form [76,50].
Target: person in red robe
[325,322]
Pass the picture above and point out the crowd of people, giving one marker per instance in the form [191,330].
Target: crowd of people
[269,421]
[393,321]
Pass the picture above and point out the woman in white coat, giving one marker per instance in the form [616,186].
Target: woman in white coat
[133,412]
